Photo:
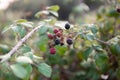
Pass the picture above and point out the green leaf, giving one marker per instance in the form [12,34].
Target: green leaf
[115,49]
[54,13]
[87,52]
[94,30]
[6,29]
[113,13]
[61,49]
[53,8]
[90,37]
[115,45]
[4,48]
[43,30]
[21,21]
[37,57]
[101,61]
[29,71]
[42,43]
[45,69]
[29,54]
[19,71]
[40,13]
[24,59]
[98,47]
[20,30]
[27,24]
[42,46]
[25,49]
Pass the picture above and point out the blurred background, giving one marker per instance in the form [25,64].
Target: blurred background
[15,9]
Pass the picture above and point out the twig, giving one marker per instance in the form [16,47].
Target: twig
[106,43]
[15,48]
[77,35]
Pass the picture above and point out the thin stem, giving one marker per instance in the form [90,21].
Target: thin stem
[15,48]
[106,43]
[77,35]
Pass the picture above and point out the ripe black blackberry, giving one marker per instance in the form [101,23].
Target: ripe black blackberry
[67,26]
[57,41]
[69,41]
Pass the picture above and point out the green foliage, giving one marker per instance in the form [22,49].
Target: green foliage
[19,70]
[101,61]
[87,52]
[45,69]
[95,50]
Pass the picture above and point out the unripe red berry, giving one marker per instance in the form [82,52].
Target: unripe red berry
[118,10]
[50,36]
[58,34]
[69,41]
[67,26]
[55,31]
[52,51]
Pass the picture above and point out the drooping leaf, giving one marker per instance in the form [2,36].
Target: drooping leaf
[101,60]
[19,71]
[4,48]
[53,8]
[37,57]
[20,20]
[45,69]
[115,45]
[115,49]
[27,24]
[87,52]
[28,68]
[24,59]
[42,43]
[54,13]
[97,47]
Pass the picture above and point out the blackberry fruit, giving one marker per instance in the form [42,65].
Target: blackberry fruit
[69,41]
[57,41]
[52,51]
[67,26]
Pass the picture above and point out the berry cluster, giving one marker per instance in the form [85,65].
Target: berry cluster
[57,38]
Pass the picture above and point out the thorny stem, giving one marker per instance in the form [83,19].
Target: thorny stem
[103,42]
[106,43]
[20,43]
